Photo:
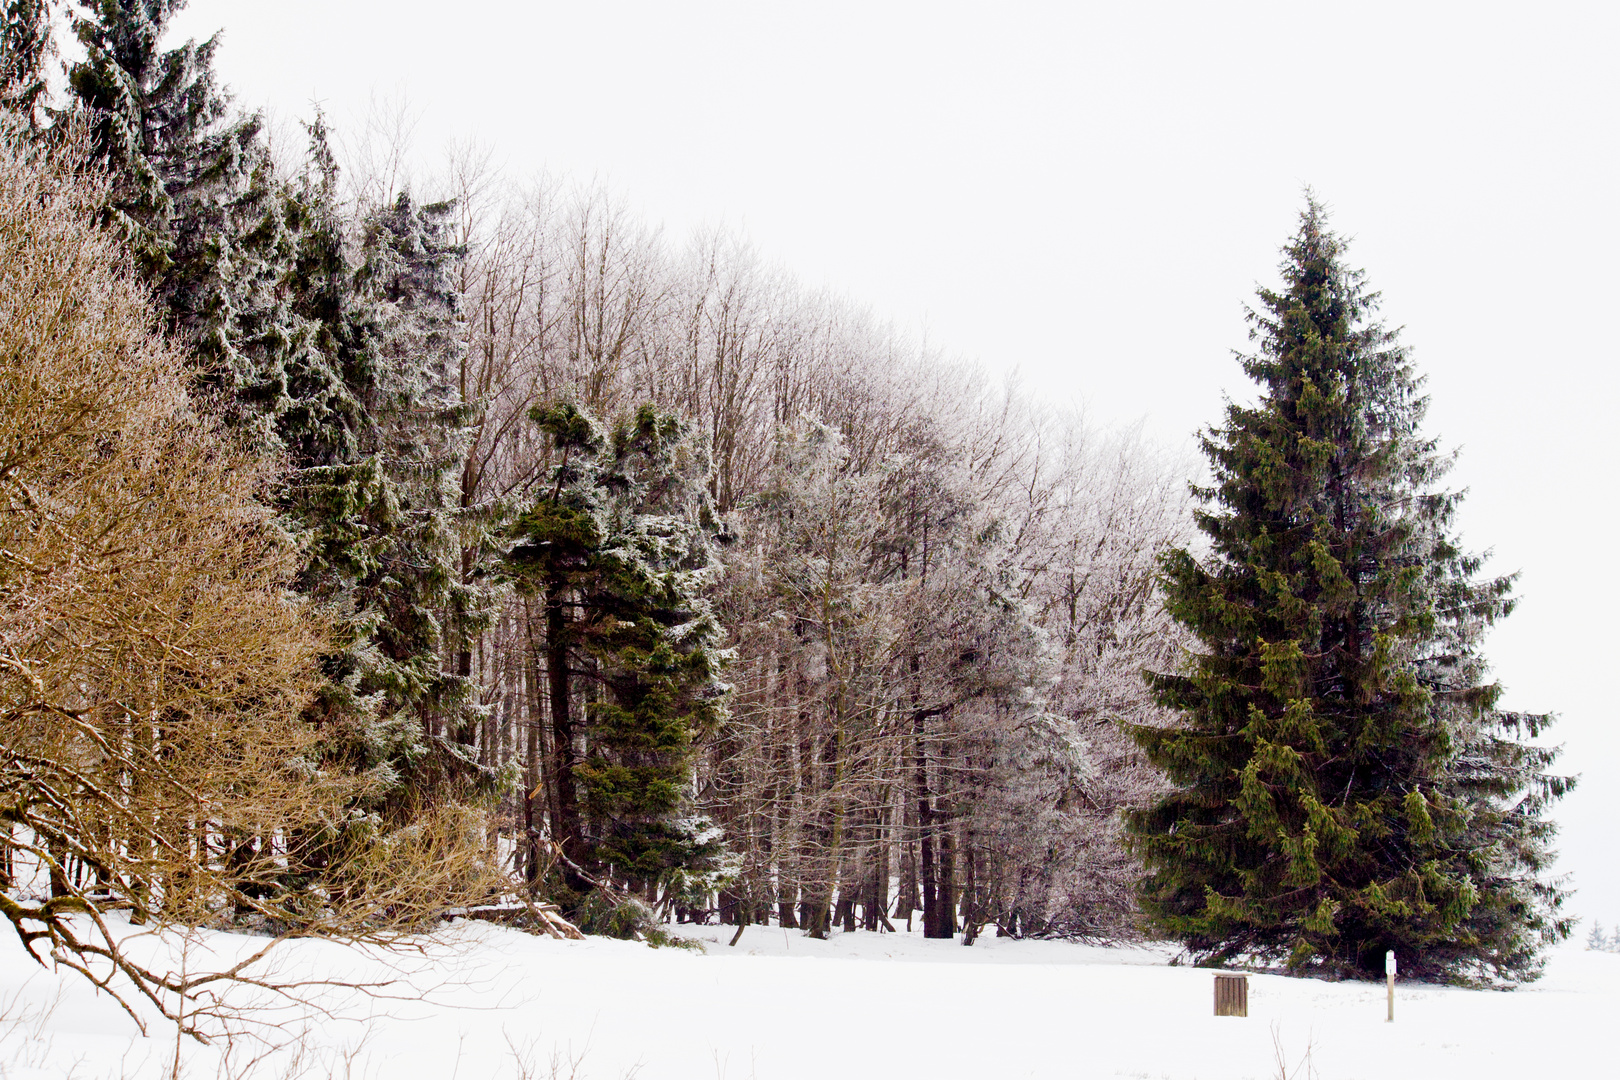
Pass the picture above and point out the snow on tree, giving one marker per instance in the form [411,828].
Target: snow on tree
[333,339]
[617,549]
[571,299]
[1344,782]
[326,338]
[162,126]
[892,716]
[152,755]
[1091,530]
[374,430]
[939,607]
[25,46]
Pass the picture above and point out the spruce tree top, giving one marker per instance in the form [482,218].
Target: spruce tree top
[160,122]
[1344,782]
[25,46]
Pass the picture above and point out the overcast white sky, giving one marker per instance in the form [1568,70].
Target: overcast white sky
[1090,191]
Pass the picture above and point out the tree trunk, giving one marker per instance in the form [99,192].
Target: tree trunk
[815,915]
[465,733]
[565,824]
[846,911]
[532,793]
[141,795]
[872,903]
[970,898]
[58,875]
[945,885]
[906,902]
[936,892]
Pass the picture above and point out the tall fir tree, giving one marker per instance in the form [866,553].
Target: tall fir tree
[361,401]
[25,47]
[164,129]
[1345,784]
[195,191]
[619,552]
[328,335]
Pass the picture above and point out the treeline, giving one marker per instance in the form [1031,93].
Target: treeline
[936,595]
[367,556]
[641,571]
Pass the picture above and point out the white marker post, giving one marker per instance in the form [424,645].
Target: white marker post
[1389,976]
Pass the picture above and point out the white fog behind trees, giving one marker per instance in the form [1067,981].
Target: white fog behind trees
[1087,195]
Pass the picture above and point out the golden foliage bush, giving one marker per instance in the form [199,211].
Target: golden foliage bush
[153,661]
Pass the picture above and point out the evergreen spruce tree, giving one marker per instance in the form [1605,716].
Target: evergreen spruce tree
[1345,784]
[162,126]
[25,46]
[359,397]
[328,339]
[196,194]
[618,550]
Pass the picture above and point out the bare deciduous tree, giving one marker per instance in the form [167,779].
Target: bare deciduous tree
[862,768]
[153,664]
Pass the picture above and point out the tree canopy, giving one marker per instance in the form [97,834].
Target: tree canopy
[1344,781]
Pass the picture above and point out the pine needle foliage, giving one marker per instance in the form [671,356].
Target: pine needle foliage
[162,126]
[25,47]
[365,411]
[327,334]
[1344,782]
[619,551]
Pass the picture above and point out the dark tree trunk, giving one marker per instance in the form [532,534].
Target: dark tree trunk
[816,917]
[872,903]
[532,794]
[564,796]
[970,898]
[59,881]
[534,775]
[240,857]
[937,922]
[905,902]
[846,911]
[945,885]
[465,733]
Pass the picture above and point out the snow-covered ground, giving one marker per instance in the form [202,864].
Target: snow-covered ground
[483,1002]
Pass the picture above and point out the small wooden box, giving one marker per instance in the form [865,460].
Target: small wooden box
[1231,995]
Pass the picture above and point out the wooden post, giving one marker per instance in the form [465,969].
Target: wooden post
[1231,995]
[1389,978]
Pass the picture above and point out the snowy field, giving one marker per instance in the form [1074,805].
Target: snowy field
[486,1002]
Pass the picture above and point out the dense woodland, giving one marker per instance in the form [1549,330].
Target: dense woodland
[627,577]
